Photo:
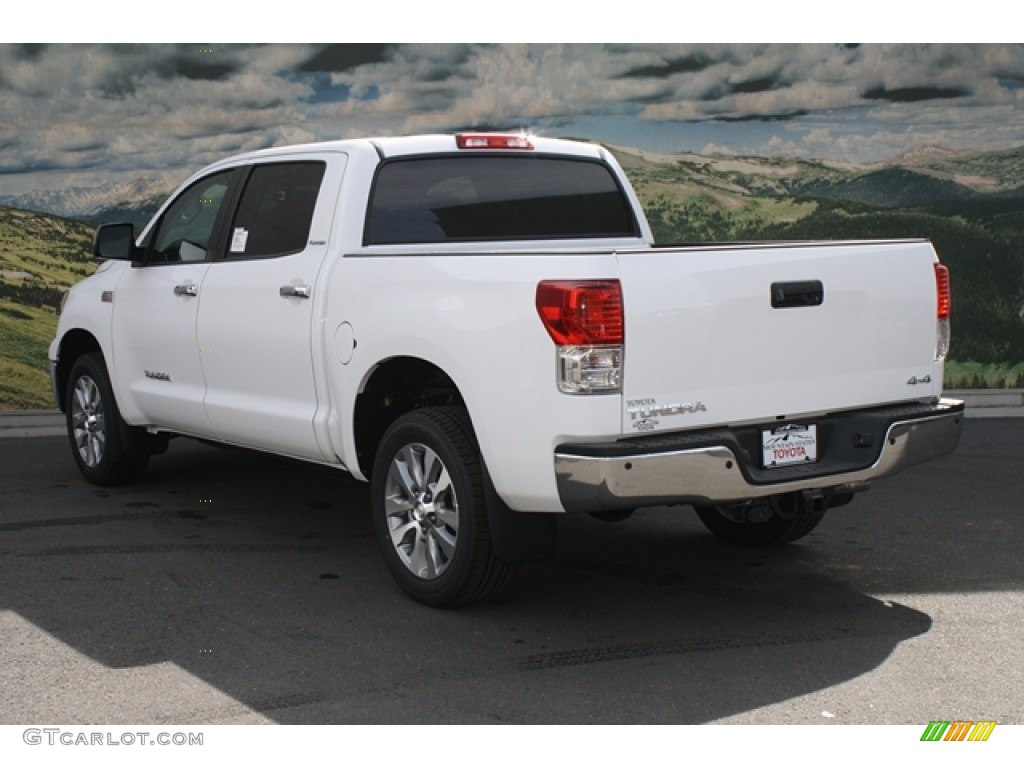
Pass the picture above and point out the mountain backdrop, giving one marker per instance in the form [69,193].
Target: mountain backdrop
[969,204]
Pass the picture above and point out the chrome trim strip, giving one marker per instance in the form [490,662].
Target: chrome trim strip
[712,475]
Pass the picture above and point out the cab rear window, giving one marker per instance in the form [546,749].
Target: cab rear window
[496,197]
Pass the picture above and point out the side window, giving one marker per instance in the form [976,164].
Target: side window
[276,210]
[184,231]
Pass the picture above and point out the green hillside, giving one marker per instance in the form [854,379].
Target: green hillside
[993,172]
[986,270]
[40,257]
[890,188]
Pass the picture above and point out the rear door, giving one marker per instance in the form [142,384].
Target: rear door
[257,319]
[727,335]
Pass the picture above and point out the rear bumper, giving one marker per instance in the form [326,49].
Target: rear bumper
[722,465]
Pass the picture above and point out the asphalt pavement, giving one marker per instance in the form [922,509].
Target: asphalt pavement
[233,587]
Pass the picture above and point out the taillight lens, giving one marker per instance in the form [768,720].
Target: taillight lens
[943,305]
[585,320]
[942,289]
[581,312]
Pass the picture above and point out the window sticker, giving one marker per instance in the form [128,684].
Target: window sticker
[238,240]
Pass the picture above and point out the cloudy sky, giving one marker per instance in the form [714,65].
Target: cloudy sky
[82,114]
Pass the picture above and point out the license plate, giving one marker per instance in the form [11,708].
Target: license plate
[791,444]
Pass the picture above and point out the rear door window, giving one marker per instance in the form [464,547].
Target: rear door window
[496,197]
[276,210]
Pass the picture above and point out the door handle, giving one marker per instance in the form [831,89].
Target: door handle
[809,293]
[295,291]
[186,289]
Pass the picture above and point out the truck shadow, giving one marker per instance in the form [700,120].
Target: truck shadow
[261,578]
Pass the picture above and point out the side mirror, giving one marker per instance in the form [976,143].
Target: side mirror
[115,241]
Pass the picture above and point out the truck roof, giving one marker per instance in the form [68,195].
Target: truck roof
[395,146]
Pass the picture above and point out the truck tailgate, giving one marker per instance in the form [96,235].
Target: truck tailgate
[853,325]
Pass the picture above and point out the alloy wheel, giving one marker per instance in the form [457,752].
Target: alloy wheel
[88,421]
[422,511]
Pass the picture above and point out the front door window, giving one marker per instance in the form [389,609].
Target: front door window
[185,229]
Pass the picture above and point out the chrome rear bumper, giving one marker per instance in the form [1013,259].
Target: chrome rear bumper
[718,466]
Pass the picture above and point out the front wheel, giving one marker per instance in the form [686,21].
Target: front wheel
[429,510]
[106,450]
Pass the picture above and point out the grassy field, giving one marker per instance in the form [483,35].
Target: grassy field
[25,334]
[984,375]
[40,257]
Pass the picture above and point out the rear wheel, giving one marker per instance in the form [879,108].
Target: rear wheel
[430,515]
[106,450]
[756,523]
[613,515]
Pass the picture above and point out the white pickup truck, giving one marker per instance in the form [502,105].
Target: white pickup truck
[481,326]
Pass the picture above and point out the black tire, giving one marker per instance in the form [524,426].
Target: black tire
[762,527]
[612,515]
[106,450]
[429,510]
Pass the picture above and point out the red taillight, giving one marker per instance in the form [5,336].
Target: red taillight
[942,289]
[492,141]
[581,313]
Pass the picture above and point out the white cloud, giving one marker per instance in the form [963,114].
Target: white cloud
[717,149]
[148,108]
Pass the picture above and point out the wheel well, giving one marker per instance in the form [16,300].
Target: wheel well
[397,386]
[72,346]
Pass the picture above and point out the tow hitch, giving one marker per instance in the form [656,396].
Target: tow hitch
[810,503]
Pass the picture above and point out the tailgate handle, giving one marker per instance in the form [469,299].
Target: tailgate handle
[808,293]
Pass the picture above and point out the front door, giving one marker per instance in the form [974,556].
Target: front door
[155,309]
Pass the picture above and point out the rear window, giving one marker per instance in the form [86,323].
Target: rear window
[462,198]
